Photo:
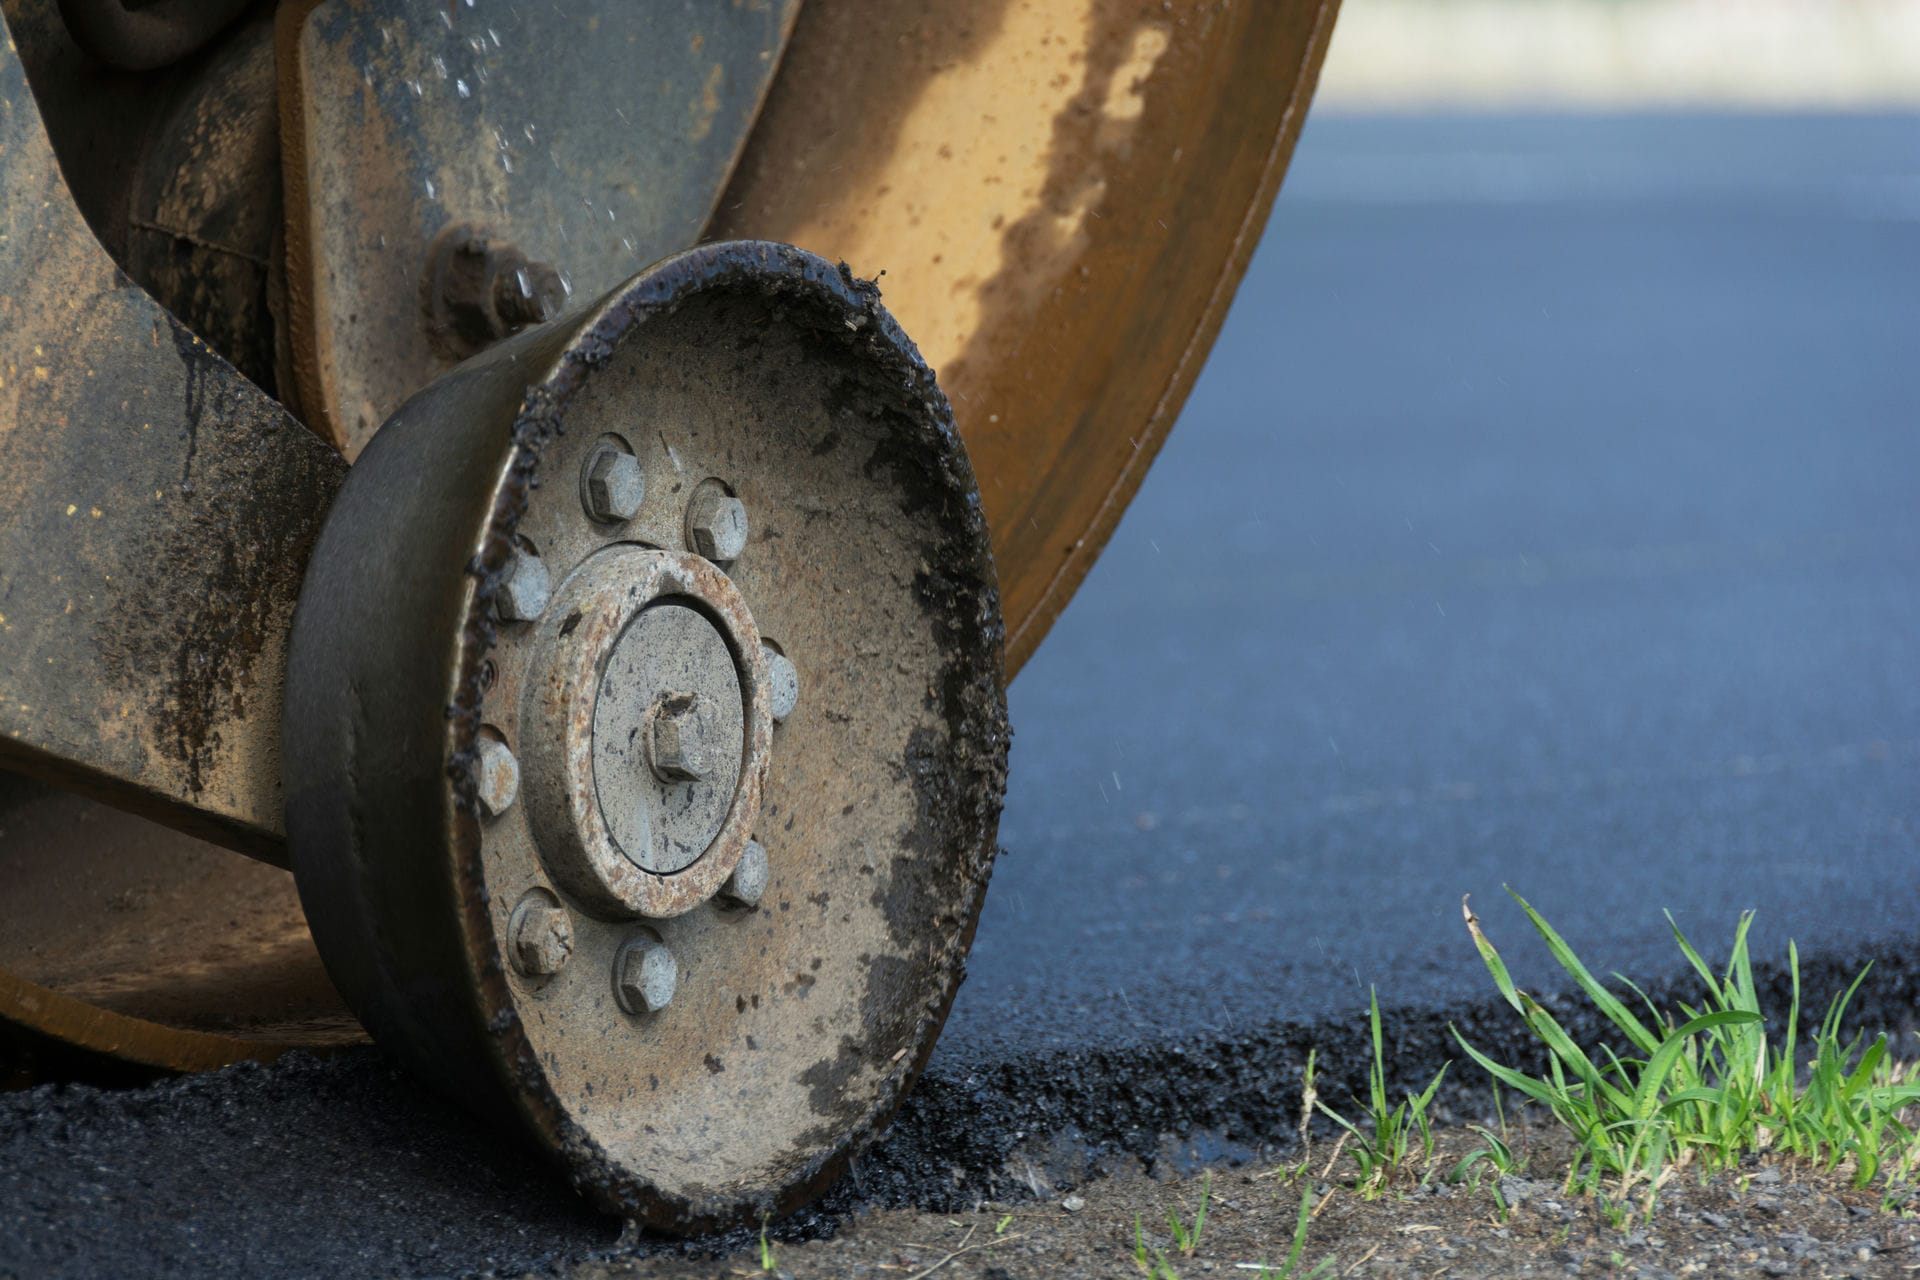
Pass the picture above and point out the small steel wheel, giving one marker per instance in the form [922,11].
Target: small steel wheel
[646,732]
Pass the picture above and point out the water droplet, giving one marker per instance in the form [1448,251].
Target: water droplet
[460,87]
[440,66]
[566,285]
[432,191]
[525,281]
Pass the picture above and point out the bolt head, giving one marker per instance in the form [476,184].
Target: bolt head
[482,289]
[496,775]
[542,937]
[615,486]
[645,976]
[717,525]
[524,293]
[523,596]
[784,679]
[675,748]
[749,879]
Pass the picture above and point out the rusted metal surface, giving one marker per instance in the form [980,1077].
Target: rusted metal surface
[596,137]
[727,1061]
[203,205]
[127,941]
[1063,195]
[155,513]
[177,171]
[97,117]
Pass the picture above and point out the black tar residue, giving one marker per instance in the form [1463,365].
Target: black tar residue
[346,1167]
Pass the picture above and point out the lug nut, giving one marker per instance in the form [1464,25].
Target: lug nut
[541,934]
[717,524]
[496,776]
[615,485]
[523,596]
[645,975]
[674,749]
[749,879]
[784,679]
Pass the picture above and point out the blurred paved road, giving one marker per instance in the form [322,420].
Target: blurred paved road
[1546,516]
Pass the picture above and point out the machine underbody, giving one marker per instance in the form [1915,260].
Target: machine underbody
[427,467]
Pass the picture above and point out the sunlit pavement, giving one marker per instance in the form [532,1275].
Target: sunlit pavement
[1548,515]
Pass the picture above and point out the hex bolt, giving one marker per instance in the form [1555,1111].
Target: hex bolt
[481,289]
[614,486]
[525,293]
[675,751]
[540,934]
[496,776]
[645,975]
[749,879]
[784,679]
[717,524]
[523,596]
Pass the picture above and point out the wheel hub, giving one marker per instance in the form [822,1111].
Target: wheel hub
[648,725]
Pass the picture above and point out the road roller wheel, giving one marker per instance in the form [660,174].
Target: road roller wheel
[645,732]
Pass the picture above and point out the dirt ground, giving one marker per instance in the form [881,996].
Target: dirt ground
[1769,1218]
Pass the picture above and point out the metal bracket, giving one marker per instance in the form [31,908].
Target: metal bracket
[156,510]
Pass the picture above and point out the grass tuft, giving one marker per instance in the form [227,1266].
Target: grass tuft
[1290,1268]
[1708,1083]
[1382,1143]
[1186,1239]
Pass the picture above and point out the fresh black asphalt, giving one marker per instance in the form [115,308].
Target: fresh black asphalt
[1546,517]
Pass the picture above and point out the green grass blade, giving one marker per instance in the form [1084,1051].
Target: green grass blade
[1608,1004]
[1653,1077]
[1502,980]
[1693,958]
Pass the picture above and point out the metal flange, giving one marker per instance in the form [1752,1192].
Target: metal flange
[648,801]
[648,731]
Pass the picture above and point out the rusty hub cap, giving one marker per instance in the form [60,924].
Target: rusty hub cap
[647,723]
[675,860]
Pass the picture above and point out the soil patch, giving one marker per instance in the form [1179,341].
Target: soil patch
[1768,1218]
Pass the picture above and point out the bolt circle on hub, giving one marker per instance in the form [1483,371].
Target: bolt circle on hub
[748,883]
[717,523]
[541,934]
[783,682]
[612,484]
[645,974]
[697,962]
